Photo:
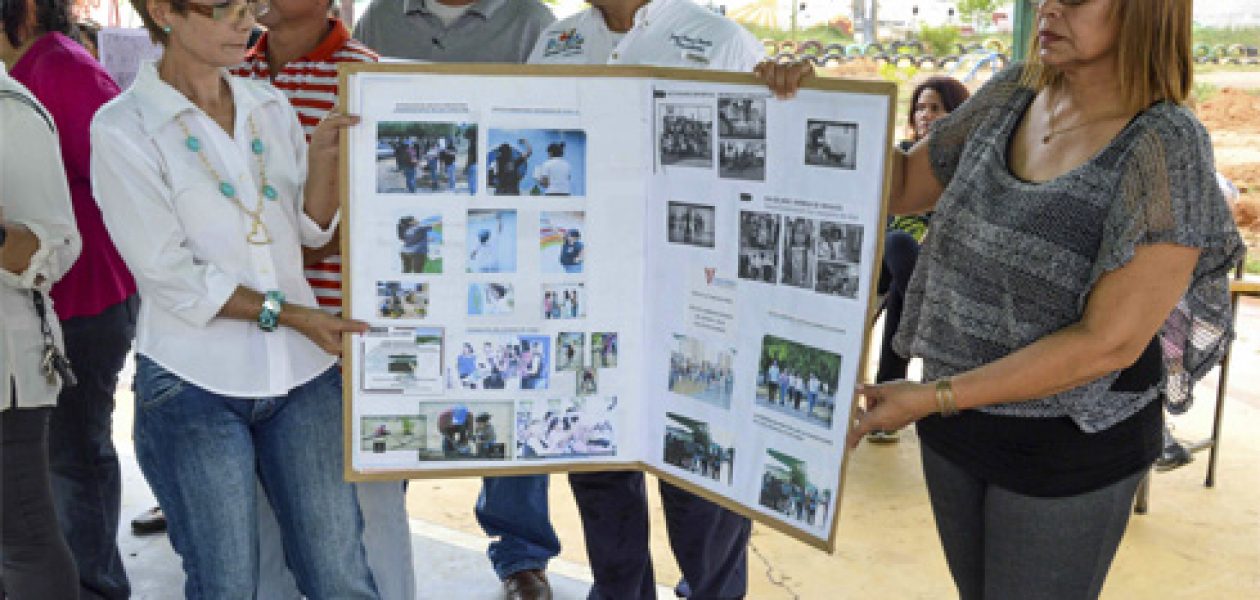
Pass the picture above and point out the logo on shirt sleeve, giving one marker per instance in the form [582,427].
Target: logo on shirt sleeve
[693,49]
[564,43]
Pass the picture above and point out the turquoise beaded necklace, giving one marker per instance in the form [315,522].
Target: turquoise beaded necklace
[258,234]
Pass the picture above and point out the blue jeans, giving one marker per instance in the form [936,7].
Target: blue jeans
[471,172]
[514,509]
[450,177]
[574,268]
[86,477]
[202,453]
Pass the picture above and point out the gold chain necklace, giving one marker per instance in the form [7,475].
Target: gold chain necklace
[1045,139]
[258,234]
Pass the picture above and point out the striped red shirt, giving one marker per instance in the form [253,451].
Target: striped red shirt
[310,83]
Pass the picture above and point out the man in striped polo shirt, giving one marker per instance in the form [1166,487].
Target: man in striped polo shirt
[299,54]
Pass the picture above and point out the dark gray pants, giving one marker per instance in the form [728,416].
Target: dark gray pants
[1001,545]
[37,562]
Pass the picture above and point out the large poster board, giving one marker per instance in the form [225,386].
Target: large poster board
[612,268]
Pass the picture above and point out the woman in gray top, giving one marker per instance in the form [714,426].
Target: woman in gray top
[1077,273]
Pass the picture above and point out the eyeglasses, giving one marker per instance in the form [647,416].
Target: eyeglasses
[231,11]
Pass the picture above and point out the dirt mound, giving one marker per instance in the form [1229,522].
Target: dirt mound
[1232,109]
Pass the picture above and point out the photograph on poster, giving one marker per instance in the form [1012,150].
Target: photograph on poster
[491,241]
[759,246]
[604,349]
[692,224]
[560,241]
[797,380]
[563,301]
[420,157]
[789,488]
[504,362]
[568,428]
[742,116]
[402,360]
[570,346]
[391,433]
[798,252]
[466,431]
[839,258]
[702,370]
[536,162]
[418,240]
[398,300]
[486,299]
[694,446]
[686,135]
[831,144]
[587,381]
[742,159]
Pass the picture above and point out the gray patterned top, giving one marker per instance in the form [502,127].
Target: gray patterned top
[1009,262]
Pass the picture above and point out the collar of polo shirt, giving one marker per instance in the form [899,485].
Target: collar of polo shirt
[484,8]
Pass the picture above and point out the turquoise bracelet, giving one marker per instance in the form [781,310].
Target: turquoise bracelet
[273,303]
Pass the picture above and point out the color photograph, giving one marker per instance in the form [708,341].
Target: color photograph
[702,370]
[491,241]
[491,299]
[693,446]
[566,428]
[398,300]
[560,241]
[415,157]
[504,362]
[536,162]
[791,489]
[466,431]
[798,380]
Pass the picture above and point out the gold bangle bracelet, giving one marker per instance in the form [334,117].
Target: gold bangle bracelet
[945,397]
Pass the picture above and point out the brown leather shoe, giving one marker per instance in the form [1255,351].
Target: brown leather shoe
[527,585]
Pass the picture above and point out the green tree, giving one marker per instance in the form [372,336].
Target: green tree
[978,12]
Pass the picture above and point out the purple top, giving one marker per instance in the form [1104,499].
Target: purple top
[72,86]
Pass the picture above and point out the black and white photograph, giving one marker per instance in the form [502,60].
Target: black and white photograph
[686,135]
[467,431]
[792,489]
[570,348]
[392,433]
[693,446]
[799,237]
[702,369]
[503,362]
[566,428]
[759,246]
[536,162]
[798,380]
[402,360]
[692,224]
[415,157]
[587,381]
[831,144]
[398,300]
[604,349]
[742,159]
[563,301]
[839,259]
[491,241]
[742,116]
[491,299]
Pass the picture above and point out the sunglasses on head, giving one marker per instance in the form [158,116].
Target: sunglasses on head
[234,11]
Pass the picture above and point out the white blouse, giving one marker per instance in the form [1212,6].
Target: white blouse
[185,242]
[33,192]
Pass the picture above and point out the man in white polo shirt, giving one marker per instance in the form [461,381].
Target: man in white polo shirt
[710,543]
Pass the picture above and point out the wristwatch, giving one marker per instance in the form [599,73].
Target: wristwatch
[273,303]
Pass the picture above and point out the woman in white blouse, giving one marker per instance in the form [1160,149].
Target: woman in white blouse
[208,190]
[38,243]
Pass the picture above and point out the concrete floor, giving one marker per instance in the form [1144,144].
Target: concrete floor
[1195,542]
